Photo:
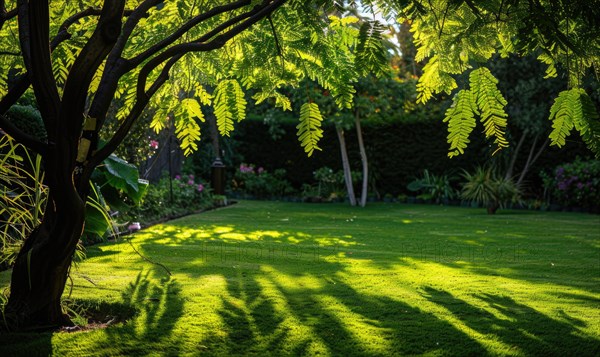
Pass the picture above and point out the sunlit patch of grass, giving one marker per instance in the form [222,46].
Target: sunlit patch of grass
[265,278]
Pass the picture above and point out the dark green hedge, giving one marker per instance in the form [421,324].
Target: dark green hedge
[397,152]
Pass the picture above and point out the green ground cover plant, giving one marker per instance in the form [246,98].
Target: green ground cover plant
[270,278]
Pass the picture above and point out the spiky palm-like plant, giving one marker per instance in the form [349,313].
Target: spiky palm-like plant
[487,188]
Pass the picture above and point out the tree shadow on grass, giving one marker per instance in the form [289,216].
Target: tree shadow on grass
[159,306]
[334,319]
[523,328]
[156,306]
[25,344]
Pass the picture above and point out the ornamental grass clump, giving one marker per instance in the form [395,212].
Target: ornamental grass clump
[486,188]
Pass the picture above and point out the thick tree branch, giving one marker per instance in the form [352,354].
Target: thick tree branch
[34,33]
[6,15]
[115,67]
[63,31]
[132,21]
[135,112]
[10,53]
[87,62]
[137,60]
[200,45]
[14,93]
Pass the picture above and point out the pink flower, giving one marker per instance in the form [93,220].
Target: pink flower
[191,177]
[200,187]
[191,182]
[246,168]
[260,170]
[134,226]
[154,144]
[177,177]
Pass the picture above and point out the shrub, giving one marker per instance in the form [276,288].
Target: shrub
[260,183]
[28,119]
[437,188]
[487,188]
[575,184]
[171,198]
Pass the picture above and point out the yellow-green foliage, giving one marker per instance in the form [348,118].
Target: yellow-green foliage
[574,108]
[309,129]
[454,36]
[186,127]
[483,100]
[265,60]
[461,121]
[490,103]
[230,105]
[298,41]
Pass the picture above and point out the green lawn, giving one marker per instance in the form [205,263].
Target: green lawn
[266,278]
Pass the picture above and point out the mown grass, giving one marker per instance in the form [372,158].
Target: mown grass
[264,278]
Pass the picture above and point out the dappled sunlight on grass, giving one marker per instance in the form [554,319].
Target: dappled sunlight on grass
[302,282]
[306,280]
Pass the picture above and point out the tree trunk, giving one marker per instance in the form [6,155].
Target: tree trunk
[363,159]
[531,159]
[511,166]
[492,207]
[346,165]
[42,266]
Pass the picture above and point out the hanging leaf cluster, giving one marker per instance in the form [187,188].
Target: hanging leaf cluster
[454,36]
[482,100]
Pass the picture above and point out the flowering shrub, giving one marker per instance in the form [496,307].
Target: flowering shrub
[260,183]
[188,195]
[576,184]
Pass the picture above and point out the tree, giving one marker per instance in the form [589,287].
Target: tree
[83,61]
[80,60]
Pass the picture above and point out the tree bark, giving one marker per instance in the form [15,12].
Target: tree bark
[346,165]
[363,159]
[42,266]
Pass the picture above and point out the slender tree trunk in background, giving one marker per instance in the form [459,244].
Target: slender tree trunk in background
[531,159]
[513,160]
[346,165]
[363,159]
